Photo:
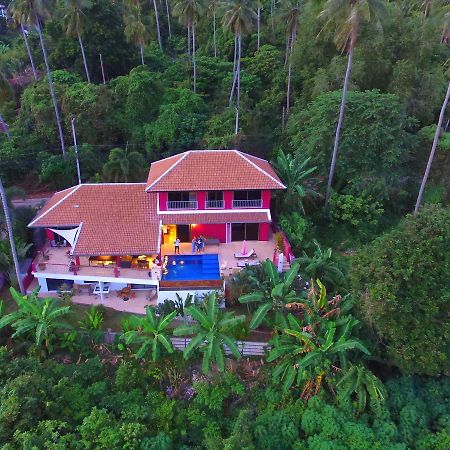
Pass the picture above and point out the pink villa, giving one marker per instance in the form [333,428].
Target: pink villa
[113,235]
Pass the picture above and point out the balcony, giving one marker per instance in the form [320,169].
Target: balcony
[247,203]
[215,204]
[182,205]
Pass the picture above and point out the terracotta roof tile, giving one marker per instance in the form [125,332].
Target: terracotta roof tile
[225,217]
[213,170]
[117,218]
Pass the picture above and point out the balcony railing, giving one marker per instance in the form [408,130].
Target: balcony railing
[182,205]
[215,204]
[247,203]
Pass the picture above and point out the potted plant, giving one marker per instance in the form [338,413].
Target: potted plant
[126,293]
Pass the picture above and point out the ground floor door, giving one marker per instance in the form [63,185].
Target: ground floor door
[247,231]
[183,233]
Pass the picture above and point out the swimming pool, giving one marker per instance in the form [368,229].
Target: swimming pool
[193,267]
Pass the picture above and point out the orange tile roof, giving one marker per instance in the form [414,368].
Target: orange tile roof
[225,217]
[118,219]
[198,170]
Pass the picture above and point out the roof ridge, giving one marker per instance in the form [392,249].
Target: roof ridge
[55,205]
[242,155]
[168,170]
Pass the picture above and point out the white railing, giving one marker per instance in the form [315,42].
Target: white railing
[218,204]
[247,203]
[182,205]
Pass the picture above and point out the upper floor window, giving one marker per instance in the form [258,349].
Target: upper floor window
[182,200]
[214,199]
[247,199]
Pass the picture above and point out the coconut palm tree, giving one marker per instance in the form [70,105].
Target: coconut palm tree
[37,317]
[31,13]
[360,382]
[74,19]
[290,15]
[274,292]
[344,17]
[124,166]
[238,18]
[135,30]
[30,55]
[150,334]
[158,29]
[258,23]
[211,333]
[294,171]
[213,10]
[168,19]
[188,12]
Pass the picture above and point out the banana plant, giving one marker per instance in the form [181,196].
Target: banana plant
[35,317]
[211,333]
[361,383]
[149,333]
[273,294]
[308,358]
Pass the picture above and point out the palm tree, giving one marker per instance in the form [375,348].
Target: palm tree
[124,166]
[168,19]
[308,358]
[321,265]
[344,17]
[211,333]
[38,317]
[30,55]
[213,10]
[188,12]
[293,172]
[258,23]
[361,382]
[290,15]
[239,18]
[149,332]
[135,30]
[274,292]
[31,13]
[74,18]
[158,30]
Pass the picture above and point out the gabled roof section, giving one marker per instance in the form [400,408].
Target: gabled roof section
[200,170]
[117,218]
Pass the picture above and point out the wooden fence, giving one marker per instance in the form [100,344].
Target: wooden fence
[246,348]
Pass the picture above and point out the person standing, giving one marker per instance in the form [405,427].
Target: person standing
[194,244]
[177,245]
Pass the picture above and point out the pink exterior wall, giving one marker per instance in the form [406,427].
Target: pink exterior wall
[50,234]
[217,231]
[201,199]
[264,231]
[265,195]
[163,201]
[228,199]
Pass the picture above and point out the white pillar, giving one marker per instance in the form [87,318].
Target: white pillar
[101,290]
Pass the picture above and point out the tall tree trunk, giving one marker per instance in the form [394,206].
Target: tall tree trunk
[52,91]
[84,58]
[272,10]
[338,129]
[189,39]
[233,85]
[142,55]
[103,69]
[8,221]
[214,33]
[158,30]
[4,126]
[433,151]
[288,90]
[258,26]
[30,55]
[11,238]
[238,96]
[168,19]
[194,68]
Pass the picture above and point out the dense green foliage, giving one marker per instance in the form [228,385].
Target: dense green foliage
[401,284]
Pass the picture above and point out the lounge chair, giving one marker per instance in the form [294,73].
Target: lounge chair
[250,254]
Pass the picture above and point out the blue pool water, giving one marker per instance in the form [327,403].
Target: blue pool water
[193,267]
